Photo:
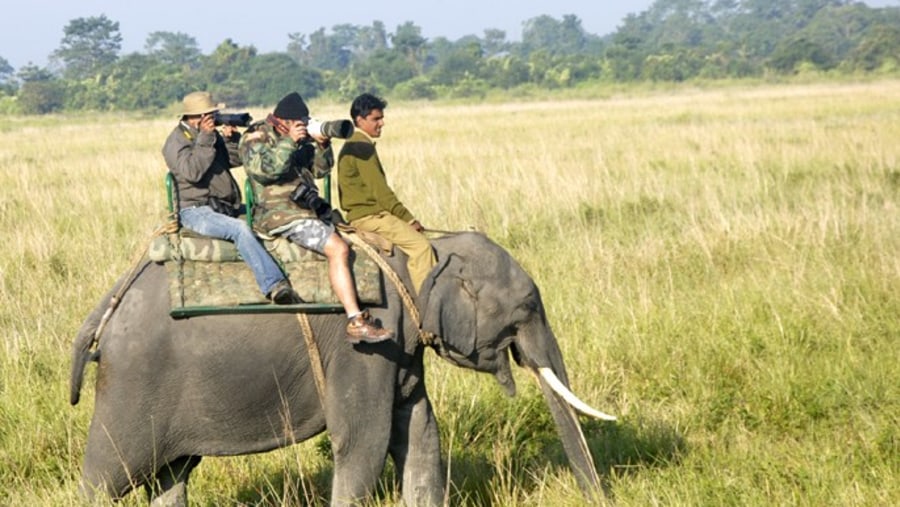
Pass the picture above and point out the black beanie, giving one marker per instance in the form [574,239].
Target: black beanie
[291,107]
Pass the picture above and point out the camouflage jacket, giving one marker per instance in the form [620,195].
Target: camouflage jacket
[275,165]
[201,163]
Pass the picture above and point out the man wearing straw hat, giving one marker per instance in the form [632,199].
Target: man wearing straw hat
[209,199]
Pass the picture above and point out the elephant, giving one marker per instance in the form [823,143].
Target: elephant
[171,391]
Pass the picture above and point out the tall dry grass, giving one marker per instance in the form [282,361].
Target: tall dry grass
[720,267]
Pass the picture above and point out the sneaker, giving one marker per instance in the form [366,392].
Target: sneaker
[283,294]
[362,328]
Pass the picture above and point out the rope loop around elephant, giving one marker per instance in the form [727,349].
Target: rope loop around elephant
[315,359]
[312,347]
[169,227]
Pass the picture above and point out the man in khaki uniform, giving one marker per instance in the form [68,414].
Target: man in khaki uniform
[366,197]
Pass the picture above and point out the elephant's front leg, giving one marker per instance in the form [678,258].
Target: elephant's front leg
[416,450]
[359,428]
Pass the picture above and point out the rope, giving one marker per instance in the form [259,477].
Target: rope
[136,265]
[424,336]
[312,347]
[315,360]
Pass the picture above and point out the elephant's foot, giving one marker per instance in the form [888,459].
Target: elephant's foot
[176,496]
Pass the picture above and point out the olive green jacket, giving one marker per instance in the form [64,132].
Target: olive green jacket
[362,186]
[275,166]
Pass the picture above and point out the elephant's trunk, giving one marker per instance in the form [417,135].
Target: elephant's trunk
[540,354]
[573,441]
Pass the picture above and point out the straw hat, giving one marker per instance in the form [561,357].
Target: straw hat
[199,103]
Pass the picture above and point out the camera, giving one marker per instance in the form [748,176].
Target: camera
[232,119]
[304,155]
[341,129]
[307,197]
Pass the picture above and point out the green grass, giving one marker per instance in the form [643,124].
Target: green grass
[718,263]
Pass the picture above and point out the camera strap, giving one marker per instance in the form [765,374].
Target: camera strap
[223,207]
[186,130]
[279,125]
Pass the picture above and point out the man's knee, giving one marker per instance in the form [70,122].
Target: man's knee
[336,248]
[244,228]
[243,231]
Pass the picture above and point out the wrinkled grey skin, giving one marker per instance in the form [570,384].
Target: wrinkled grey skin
[170,391]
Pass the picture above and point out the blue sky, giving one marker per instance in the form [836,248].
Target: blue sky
[267,26]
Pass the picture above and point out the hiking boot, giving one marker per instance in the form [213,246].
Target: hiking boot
[362,328]
[283,294]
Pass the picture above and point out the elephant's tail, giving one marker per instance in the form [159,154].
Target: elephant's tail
[87,338]
[89,334]
[81,349]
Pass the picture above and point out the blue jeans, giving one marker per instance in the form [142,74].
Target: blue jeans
[203,220]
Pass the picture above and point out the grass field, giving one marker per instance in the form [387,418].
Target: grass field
[720,265]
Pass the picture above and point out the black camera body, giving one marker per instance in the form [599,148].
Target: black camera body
[304,155]
[233,119]
[307,197]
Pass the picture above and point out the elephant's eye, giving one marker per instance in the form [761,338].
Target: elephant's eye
[530,305]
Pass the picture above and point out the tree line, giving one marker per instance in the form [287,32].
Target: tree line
[673,40]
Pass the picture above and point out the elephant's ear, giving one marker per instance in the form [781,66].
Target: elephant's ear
[448,305]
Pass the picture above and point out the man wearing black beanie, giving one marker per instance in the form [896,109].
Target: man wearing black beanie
[283,160]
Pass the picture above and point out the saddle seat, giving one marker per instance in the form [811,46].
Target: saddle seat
[207,275]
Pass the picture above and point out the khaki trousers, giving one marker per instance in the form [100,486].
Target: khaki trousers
[412,242]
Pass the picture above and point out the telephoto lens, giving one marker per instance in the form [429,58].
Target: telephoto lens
[340,129]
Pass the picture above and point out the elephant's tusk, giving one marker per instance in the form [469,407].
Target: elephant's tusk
[560,389]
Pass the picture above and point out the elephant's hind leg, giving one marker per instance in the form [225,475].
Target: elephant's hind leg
[169,489]
[106,470]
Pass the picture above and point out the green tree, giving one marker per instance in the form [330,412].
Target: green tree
[408,41]
[673,64]
[296,48]
[274,74]
[417,88]
[494,42]
[40,92]
[370,39]
[33,73]
[382,70]
[140,81]
[88,46]
[7,77]
[540,34]
[41,97]
[462,63]
[789,54]
[227,72]
[625,56]
[565,37]
[879,48]
[506,71]
[173,48]
[323,51]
